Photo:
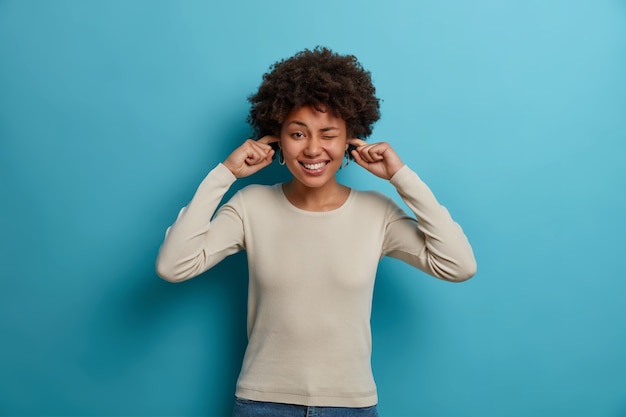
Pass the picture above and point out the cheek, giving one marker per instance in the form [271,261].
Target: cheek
[340,149]
[290,149]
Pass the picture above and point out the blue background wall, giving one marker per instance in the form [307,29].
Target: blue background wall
[514,112]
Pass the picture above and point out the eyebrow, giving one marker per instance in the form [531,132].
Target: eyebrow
[324,129]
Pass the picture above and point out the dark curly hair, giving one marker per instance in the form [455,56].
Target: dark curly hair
[321,78]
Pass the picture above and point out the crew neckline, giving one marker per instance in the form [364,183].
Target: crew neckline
[278,188]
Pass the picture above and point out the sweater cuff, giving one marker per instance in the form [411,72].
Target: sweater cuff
[403,175]
[219,177]
[223,175]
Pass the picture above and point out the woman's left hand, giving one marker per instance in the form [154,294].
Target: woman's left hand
[378,158]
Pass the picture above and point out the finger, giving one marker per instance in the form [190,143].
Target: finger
[259,164]
[258,157]
[255,154]
[368,153]
[267,139]
[358,159]
[357,142]
[271,148]
[263,149]
[361,146]
[376,151]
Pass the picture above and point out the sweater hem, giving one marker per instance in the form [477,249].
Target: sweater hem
[310,400]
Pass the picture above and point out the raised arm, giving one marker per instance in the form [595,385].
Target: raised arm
[197,240]
[194,243]
[432,241]
[435,243]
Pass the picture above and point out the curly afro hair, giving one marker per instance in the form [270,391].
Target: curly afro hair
[321,78]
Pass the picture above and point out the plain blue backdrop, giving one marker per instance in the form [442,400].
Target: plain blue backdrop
[112,112]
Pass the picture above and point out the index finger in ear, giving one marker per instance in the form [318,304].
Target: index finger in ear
[268,139]
[357,142]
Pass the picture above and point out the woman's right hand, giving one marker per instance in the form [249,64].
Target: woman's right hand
[252,156]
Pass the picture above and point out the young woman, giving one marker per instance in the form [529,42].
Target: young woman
[313,245]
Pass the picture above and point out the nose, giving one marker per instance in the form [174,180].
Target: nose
[313,147]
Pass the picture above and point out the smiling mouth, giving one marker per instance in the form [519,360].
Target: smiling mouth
[313,167]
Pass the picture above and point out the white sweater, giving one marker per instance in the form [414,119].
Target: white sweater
[311,277]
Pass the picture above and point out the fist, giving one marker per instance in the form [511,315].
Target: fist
[378,158]
[251,156]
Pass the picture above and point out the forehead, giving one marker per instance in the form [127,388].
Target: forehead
[313,118]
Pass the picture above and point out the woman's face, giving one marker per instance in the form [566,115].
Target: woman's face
[313,144]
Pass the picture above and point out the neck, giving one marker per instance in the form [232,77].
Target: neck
[328,197]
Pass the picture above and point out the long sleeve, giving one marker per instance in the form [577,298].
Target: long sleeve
[196,242]
[434,243]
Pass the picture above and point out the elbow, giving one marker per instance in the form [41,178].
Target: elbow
[176,269]
[464,271]
[166,271]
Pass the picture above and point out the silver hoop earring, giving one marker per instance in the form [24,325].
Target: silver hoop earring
[281,157]
[346,161]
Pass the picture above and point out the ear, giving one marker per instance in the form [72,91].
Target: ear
[275,146]
[280,139]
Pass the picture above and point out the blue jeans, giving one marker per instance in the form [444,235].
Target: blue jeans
[249,408]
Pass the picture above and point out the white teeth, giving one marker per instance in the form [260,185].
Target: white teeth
[314,166]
